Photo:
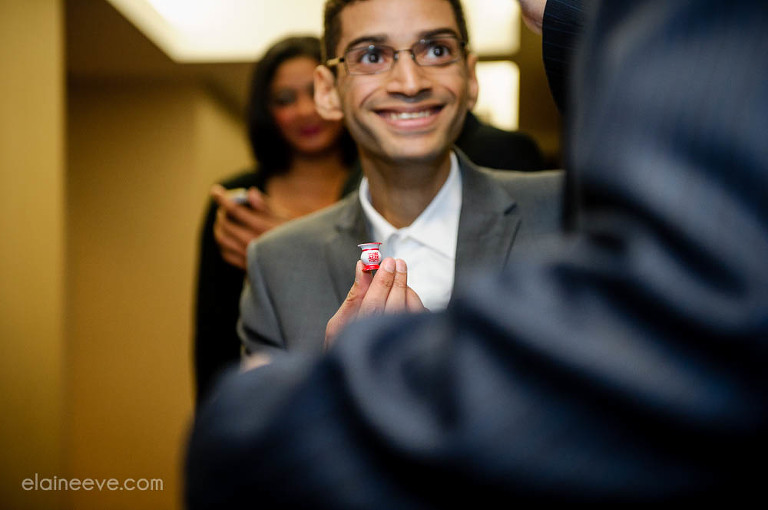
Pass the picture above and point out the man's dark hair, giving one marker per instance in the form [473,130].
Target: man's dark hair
[332,24]
[267,144]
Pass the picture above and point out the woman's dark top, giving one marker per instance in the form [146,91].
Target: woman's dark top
[219,286]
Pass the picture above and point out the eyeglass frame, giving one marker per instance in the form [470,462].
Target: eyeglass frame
[334,62]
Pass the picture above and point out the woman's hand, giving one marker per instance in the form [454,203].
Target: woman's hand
[238,224]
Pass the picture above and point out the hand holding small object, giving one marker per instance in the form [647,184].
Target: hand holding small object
[386,292]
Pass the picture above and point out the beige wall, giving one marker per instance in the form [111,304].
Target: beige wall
[31,248]
[98,243]
[141,158]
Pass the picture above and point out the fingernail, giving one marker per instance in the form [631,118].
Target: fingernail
[400,264]
[388,265]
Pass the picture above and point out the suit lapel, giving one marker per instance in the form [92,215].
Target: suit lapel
[341,252]
[487,226]
[488,223]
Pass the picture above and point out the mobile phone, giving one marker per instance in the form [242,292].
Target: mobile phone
[239,196]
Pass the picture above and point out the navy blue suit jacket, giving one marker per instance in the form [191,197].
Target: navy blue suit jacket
[627,365]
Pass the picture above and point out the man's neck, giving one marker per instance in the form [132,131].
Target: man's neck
[401,191]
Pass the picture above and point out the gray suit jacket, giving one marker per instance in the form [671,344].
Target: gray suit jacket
[299,274]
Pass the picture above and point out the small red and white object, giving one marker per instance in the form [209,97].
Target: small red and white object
[371,256]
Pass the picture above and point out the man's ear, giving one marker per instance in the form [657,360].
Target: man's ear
[327,99]
[473,88]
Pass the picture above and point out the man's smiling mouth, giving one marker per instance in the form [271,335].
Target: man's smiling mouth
[400,115]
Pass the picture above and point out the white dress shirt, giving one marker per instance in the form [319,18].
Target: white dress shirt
[428,245]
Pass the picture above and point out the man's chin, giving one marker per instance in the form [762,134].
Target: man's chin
[407,158]
[403,152]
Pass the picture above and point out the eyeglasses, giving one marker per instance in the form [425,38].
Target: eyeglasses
[378,58]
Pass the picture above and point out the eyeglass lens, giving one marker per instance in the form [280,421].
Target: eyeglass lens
[377,58]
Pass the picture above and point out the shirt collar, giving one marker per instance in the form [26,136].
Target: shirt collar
[438,224]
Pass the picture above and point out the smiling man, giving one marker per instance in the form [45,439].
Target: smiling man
[401,76]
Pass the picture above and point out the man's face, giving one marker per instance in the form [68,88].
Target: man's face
[411,112]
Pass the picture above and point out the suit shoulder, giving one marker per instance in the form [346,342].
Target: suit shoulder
[552,180]
[305,232]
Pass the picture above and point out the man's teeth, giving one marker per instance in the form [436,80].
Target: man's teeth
[409,115]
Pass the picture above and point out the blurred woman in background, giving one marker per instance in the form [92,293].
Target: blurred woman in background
[304,163]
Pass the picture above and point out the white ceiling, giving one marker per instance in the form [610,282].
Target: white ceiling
[208,31]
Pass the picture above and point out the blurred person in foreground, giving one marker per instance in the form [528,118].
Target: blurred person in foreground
[627,366]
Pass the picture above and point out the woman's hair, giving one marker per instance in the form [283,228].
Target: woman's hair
[269,147]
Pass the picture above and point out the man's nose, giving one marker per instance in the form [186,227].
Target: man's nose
[406,76]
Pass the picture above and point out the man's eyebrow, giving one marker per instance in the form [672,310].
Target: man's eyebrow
[369,39]
[381,38]
[439,32]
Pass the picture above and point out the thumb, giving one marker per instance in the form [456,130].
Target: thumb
[413,301]
[257,200]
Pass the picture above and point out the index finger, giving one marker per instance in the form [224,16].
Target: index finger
[396,301]
[375,300]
